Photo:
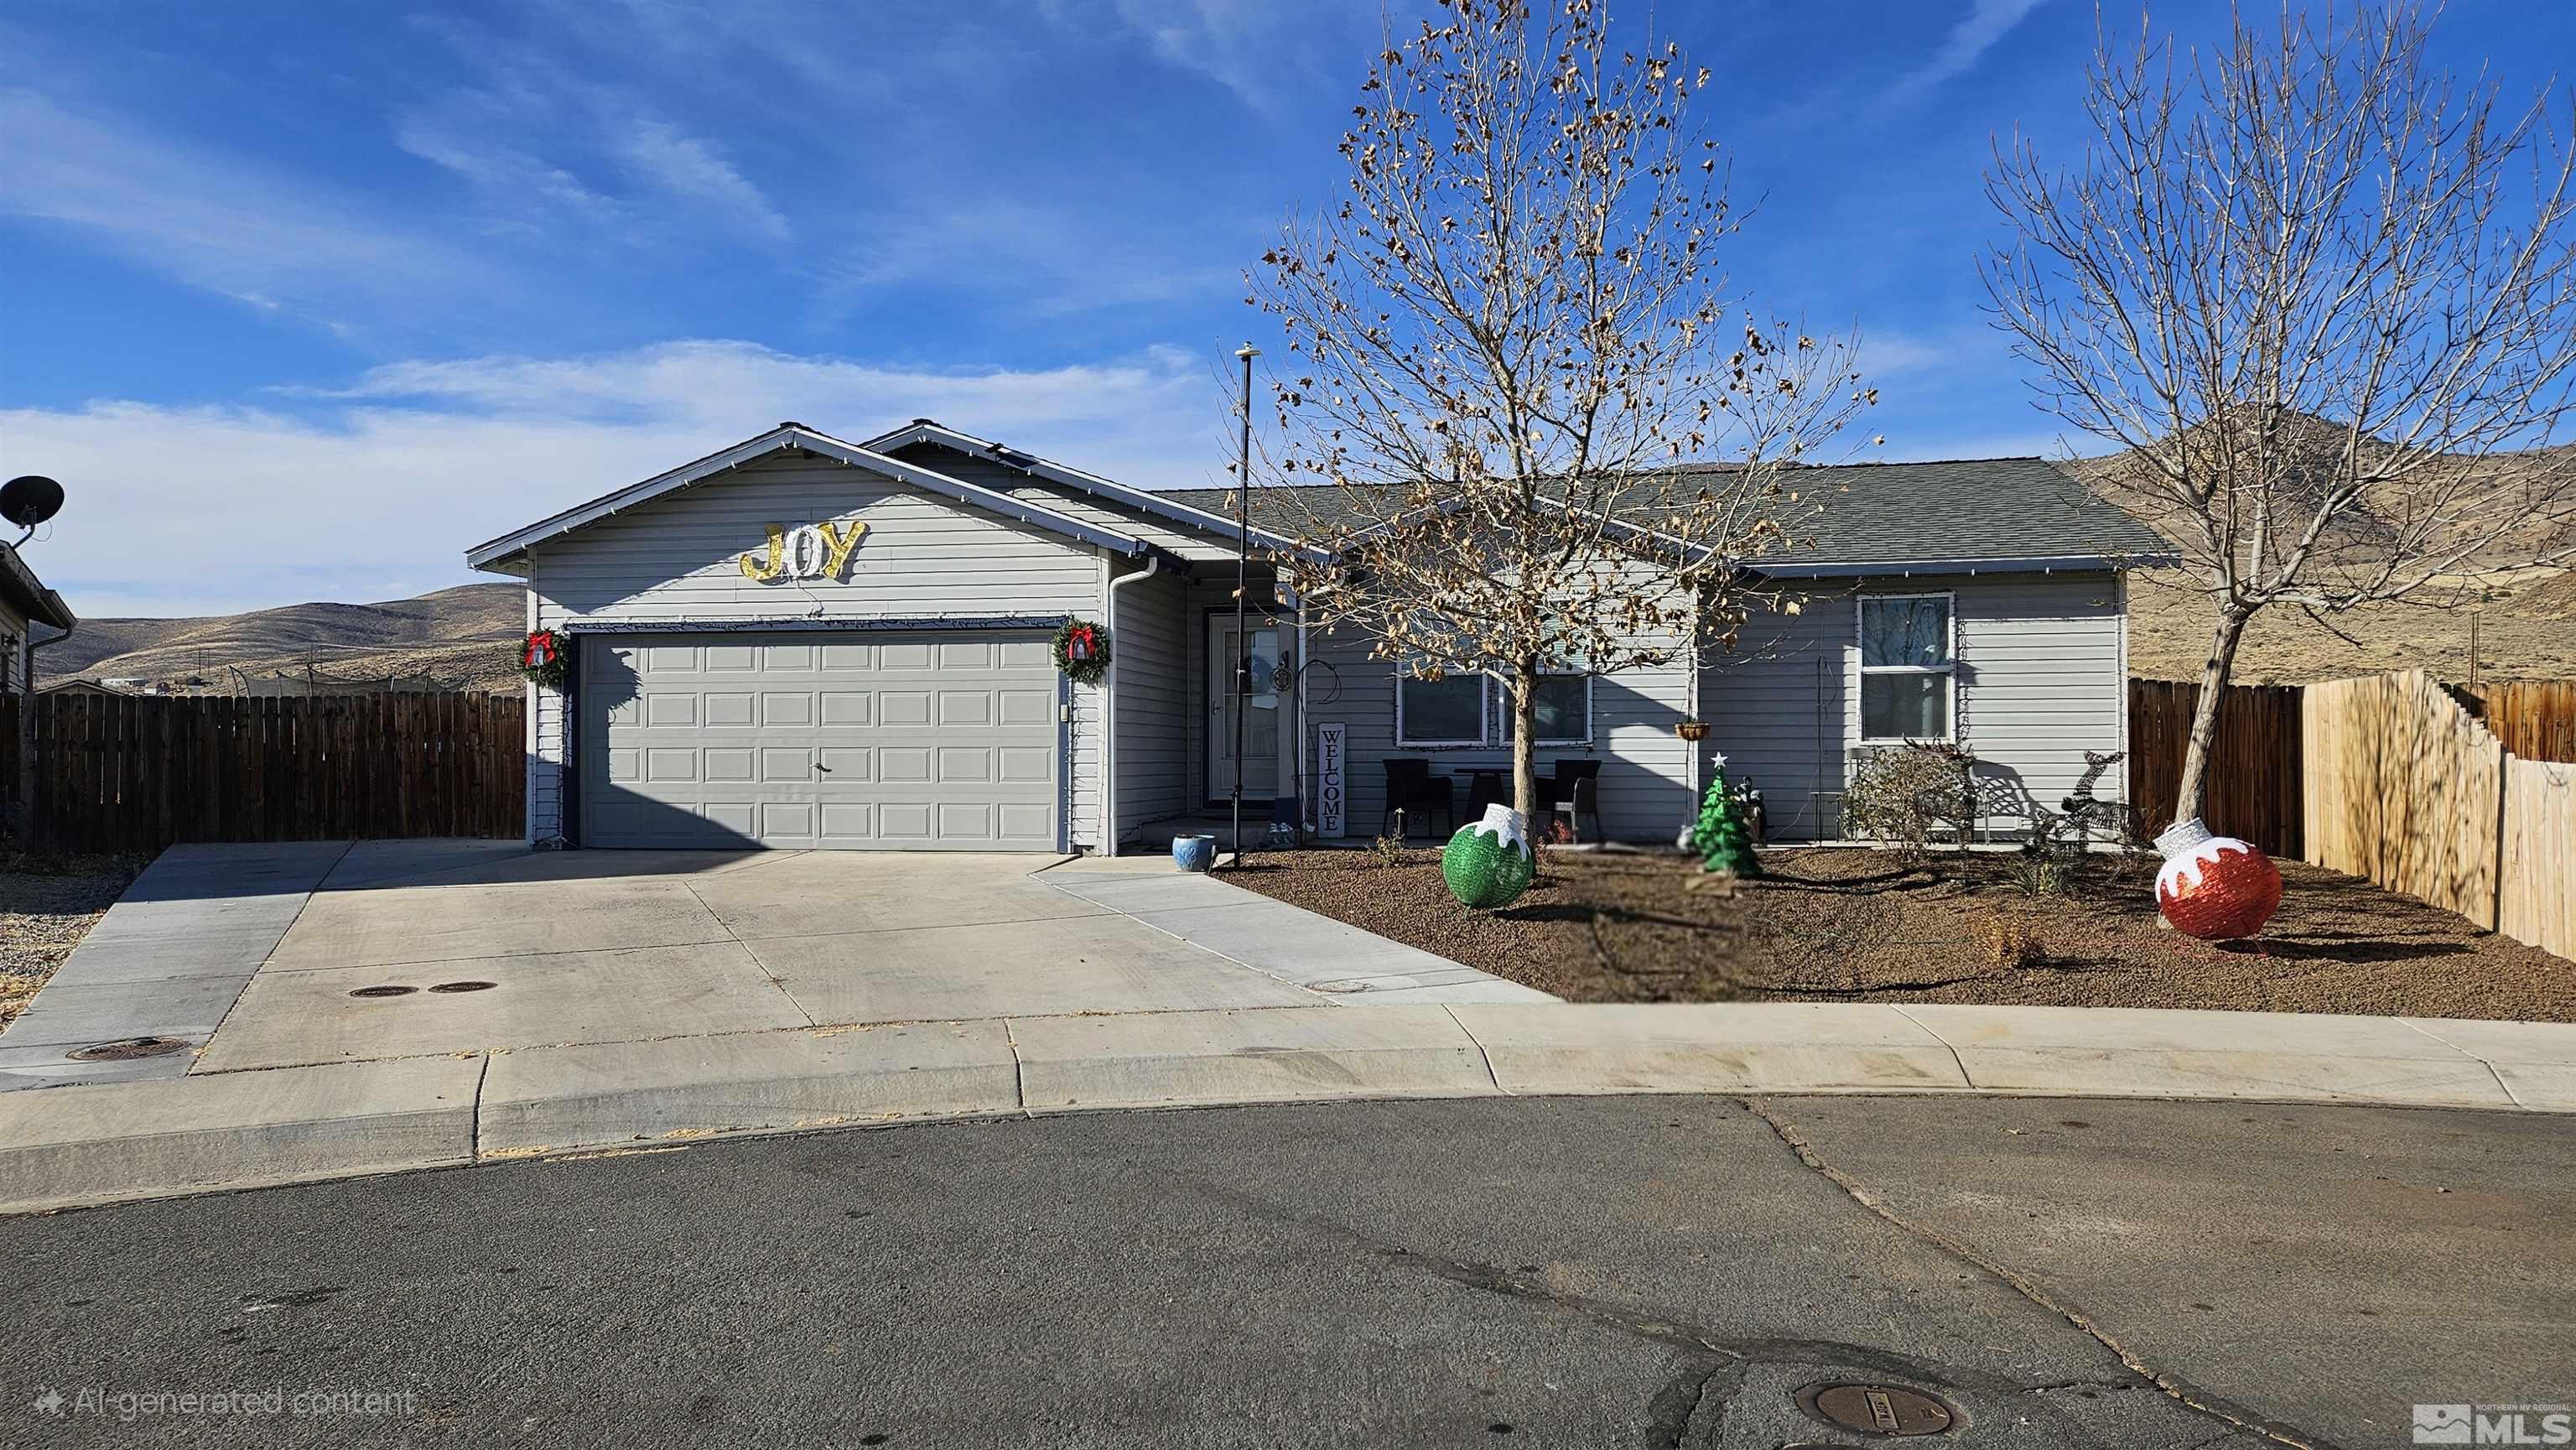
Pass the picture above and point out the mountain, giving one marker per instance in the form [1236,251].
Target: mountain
[466,635]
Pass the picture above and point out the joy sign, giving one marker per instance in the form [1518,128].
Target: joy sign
[808,551]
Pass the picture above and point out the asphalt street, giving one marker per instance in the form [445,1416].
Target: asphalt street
[1560,1272]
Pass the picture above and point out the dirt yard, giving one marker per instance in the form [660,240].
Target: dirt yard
[47,904]
[1845,925]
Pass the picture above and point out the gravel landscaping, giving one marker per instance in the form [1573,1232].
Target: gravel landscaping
[47,904]
[1845,925]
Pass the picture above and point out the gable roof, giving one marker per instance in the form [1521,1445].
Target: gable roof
[797,437]
[1972,514]
[1166,504]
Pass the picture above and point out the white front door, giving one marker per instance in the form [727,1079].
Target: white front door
[1260,714]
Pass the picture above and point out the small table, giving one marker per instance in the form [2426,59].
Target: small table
[1486,788]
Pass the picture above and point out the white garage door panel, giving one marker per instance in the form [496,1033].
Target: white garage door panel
[909,742]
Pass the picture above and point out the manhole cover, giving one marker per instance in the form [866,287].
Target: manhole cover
[1877,1409]
[130,1048]
[463,987]
[384,991]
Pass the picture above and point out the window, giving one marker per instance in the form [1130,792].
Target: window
[1474,710]
[1446,711]
[1905,667]
[1563,710]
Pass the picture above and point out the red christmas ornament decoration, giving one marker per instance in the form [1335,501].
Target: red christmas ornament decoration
[2215,887]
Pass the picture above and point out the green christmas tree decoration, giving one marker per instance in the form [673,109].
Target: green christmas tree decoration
[1718,837]
[1488,862]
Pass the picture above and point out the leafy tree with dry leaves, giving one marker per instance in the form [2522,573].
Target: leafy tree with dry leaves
[2322,300]
[1508,345]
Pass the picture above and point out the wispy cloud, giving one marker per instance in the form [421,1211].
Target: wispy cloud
[545,144]
[1043,259]
[214,220]
[375,490]
[693,169]
[1986,22]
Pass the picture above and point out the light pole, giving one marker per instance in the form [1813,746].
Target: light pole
[1242,556]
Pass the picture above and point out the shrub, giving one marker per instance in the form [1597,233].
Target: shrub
[1901,797]
[2006,940]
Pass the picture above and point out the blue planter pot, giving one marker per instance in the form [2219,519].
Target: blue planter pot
[1194,853]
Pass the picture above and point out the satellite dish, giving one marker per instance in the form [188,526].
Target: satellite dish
[29,500]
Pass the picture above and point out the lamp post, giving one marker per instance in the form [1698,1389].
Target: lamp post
[1242,584]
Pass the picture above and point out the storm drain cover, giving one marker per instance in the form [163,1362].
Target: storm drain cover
[1877,1409]
[130,1048]
[383,991]
[462,987]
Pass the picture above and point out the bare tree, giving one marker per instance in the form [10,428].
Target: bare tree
[2322,298]
[1505,343]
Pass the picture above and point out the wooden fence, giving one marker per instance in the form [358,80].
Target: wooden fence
[2534,719]
[138,773]
[2405,787]
[2256,771]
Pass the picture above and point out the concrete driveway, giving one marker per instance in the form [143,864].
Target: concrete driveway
[431,948]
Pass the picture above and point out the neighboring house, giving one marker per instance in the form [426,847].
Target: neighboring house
[85,687]
[25,601]
[749,665]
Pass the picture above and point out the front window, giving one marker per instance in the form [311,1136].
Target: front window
[1446,711]
[1905,667]
[1474,710]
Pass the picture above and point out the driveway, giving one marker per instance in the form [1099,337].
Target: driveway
[280,956]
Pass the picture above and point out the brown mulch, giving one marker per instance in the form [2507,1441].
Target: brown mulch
[47,904]
[1847,925]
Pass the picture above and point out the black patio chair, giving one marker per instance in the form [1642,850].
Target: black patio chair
[1560,786]
[1414,790]
[1578,794]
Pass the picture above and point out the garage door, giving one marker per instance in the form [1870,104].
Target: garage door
[891,742]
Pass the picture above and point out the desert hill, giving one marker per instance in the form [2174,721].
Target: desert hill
[462,635]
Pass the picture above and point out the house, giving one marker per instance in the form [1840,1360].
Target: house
[26,602]
[802,641]
[95,689]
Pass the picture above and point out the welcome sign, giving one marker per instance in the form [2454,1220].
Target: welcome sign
[1331,795]
[807,551]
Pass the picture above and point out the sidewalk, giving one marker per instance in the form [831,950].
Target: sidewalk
[101,1143]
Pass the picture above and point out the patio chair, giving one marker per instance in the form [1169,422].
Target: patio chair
[1560,786]
[1582,797]
[1414,790]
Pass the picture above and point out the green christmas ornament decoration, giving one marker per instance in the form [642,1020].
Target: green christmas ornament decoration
[1488,862]
[1718,837]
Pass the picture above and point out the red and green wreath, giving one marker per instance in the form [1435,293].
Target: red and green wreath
[541,658]
[1082,651]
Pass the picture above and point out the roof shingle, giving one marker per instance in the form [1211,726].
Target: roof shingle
[1904,514]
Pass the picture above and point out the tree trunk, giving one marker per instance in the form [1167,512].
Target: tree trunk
[2193,797]
[1524,692]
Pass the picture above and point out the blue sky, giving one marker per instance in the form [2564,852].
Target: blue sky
[303,299]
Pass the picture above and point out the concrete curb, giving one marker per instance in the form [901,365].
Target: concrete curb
[61,1147]
[70,1146]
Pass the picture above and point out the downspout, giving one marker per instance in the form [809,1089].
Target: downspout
[1109,709]
[27,731]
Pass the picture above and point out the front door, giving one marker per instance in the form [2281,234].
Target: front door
[1225,648]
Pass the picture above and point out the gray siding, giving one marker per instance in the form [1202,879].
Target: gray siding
[13,654]
[1645,767]
[926,557]
[2039,681]
[1152,664]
